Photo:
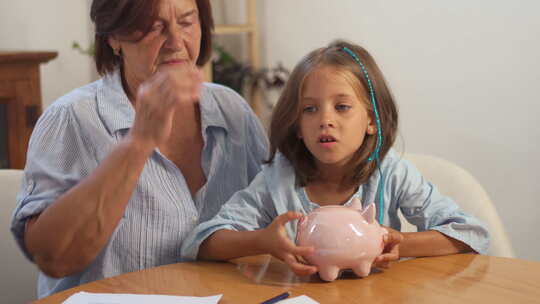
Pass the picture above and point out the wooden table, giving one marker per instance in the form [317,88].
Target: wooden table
[463,278]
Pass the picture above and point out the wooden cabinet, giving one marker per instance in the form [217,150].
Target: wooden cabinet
[20,103]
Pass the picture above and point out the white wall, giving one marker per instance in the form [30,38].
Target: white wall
[465,76]
[463,72]
[50,25]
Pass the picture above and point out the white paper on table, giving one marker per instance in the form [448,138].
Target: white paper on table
[303,299]
[118,298]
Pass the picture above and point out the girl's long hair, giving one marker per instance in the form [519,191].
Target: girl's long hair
[284,126]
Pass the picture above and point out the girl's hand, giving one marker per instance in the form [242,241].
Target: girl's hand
[390,252]
[276,242]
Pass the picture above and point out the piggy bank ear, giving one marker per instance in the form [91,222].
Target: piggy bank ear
[356,203]
[369,213]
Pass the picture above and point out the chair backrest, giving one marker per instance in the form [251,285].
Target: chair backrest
[18,278]
[465,190]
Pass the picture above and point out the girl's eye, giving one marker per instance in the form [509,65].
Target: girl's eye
[343,107]
[309,109]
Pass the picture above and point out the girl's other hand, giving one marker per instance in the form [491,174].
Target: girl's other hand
[390,252]
[276,242]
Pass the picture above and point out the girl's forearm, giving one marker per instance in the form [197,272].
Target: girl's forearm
[430,243]
[226,244]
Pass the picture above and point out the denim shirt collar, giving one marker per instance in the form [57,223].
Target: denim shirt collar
[113,104]
[211,114]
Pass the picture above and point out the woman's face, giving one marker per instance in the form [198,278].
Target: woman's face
[175,38]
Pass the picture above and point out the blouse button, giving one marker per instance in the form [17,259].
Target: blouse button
[30,186]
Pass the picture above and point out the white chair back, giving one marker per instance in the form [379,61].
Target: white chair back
[465,190]
[18,278]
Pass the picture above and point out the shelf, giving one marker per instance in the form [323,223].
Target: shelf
[234,29]
[25,57]
[250,29]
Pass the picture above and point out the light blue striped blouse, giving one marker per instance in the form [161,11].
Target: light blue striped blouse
[274,192]
[78,131]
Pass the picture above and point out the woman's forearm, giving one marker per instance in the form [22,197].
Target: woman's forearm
[430,243]
[225,244]
[68,235]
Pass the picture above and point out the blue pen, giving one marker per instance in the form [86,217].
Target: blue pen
[277,298]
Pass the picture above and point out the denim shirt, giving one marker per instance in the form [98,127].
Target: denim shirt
[80,129]
[274,191]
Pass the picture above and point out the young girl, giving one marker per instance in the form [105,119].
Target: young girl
[331,136]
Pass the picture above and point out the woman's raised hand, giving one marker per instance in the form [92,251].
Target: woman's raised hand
[275,241]
[159,97]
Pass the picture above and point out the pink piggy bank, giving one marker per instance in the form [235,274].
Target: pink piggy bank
[343,238]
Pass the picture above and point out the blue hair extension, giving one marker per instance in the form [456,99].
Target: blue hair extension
[375,155]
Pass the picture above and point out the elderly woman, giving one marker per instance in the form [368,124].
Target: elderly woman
[121,170]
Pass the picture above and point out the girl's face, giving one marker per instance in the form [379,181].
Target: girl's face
[334,119]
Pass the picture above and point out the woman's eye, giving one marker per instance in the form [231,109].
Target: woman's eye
[343,107]
[157,27]
[309,109]
[186,23]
